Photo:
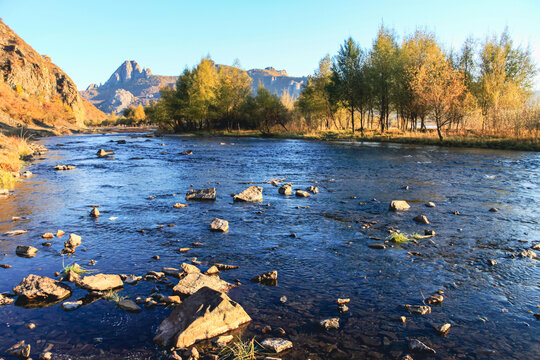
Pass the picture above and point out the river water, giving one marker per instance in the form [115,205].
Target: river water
[490,307]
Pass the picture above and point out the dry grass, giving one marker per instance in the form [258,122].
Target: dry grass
[468,138]
[12,149]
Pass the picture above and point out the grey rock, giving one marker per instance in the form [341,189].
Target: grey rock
[398,205]
[277,345]
[201,195]
[219,225]
[285,189]
[26,251]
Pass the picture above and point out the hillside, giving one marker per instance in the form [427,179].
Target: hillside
[132,85]
[35,93]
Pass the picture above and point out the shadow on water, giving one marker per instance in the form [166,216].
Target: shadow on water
[489,307]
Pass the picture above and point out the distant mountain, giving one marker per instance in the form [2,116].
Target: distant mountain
[131,85]
[34,92]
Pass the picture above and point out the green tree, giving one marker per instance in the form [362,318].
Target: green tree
[347,79]
[314,102]
[382,62]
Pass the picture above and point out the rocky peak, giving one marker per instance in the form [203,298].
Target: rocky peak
[128,71]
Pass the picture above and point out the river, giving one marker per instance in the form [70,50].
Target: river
[490,307]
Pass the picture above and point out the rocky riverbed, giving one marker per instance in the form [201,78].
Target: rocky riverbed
[373,250]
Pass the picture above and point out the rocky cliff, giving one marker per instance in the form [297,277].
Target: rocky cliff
[131,85]
[34,90]
[128,86]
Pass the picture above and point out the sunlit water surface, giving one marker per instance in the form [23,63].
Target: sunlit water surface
[490,307]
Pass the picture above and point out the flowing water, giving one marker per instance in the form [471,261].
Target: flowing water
[490,307]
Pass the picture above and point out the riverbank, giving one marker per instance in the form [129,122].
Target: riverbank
[13,150]
[471,140]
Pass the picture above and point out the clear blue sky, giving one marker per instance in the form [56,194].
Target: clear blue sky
[90,39]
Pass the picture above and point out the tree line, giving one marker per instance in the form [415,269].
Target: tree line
[485,86]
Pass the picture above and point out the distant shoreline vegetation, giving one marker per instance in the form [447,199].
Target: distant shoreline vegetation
[479,96]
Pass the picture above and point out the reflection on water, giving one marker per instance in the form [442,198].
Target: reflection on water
[488,306]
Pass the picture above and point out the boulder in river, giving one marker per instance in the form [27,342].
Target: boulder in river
[191,283]
[100,282]
[418,346]
[71,305]
[26,251]
[398,205]
[251,194]
[329,324]
[189,269]
[129,305]
[201,195]
[73,241]
[277,345]
[443,329]
[313,189]
[421,219]
[268,278]
[48,235]
[205,314]
[418,309]
[5,300]
[103,152]
[34,287]
[302,193]
[285,189]
[20,350]
[60,233]
[528,253]
[219,225]
[94,213]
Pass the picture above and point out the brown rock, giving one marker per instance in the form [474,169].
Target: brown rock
[73,241]
[268,278]
[302,193]
[129,305]
[421,219]
[94,213]
[313,189]
[205,314]
[285,189]
[219,225]
[398,205]
[5,300]
[59,233]
[34,287]
[47,235]
[251,194]
[100,282]
[26,251]
[191,283]
[189,269]
[179,205]
[201,195]
[213,270]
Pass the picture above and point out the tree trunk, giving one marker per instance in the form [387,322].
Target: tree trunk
[352,119]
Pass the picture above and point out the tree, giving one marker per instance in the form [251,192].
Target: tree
[265,111]
[440,88]
[382,63]
[347,78]
[138,114]
[506,77]
[314,102]
[234,88]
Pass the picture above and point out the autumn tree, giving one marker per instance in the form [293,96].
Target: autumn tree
[440,88]
[506,77]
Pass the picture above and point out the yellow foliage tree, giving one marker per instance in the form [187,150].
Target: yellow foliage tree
[440,88]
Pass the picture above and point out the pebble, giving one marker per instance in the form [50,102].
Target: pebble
[442,330]
[30,326]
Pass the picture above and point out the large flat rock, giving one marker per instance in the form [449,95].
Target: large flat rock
[192,282]
[201,195]
[205,314]
[100,282]
[34,287]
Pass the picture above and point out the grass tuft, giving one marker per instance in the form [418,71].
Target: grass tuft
[242,350]
[114,297]
[398,238]
[76,269]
